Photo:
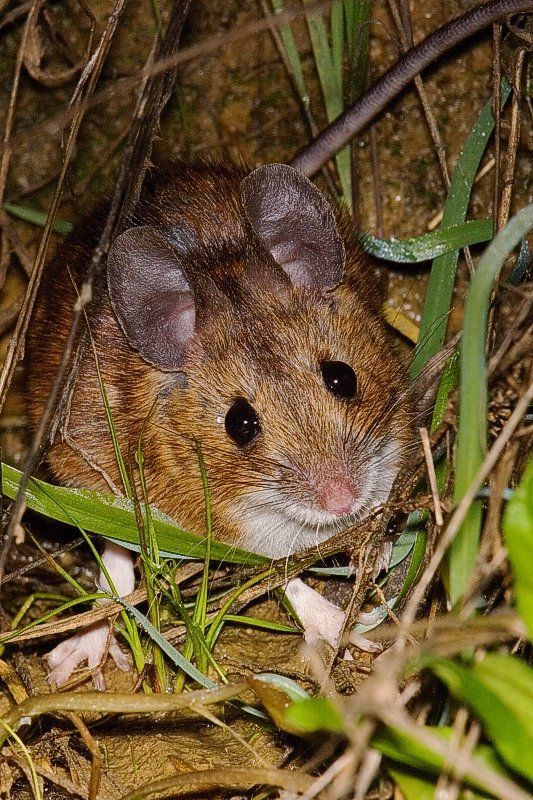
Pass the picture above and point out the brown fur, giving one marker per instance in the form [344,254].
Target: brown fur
[258,346]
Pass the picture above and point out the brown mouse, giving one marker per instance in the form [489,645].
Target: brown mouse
[237,310]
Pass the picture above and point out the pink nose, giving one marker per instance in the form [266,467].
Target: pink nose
[336,495]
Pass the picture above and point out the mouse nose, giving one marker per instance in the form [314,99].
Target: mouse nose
[336,495]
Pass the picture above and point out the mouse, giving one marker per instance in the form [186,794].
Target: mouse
[239,310]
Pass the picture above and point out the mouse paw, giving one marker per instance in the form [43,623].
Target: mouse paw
[364,644]
[320,619]
[88,646]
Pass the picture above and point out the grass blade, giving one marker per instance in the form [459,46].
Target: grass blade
[150,561]
[37,218]
[518,531]
[293,57]
[442,277]
[200,607]
[472,432]
[499,691]
[337,40]
[265,624]
[110,422]
[114,518]
[331,84]
[164,645]
[429,245]
[357,13]
[403,753]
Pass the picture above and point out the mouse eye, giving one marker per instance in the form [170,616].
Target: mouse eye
[242,423]
[340,379]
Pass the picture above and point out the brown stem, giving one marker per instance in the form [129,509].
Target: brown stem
[336,135]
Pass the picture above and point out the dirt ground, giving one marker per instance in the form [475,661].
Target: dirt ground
[234,103]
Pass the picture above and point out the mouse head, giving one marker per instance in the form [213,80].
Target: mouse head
[289,380]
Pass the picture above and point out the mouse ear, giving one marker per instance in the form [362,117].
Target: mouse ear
[151,296]
[296,224]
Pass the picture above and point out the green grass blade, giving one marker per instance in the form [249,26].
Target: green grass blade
[164,645]
[114,518]
[442,277]
[293,57]
[200,607]
[54,612]
[151,554]
[192,644]
[416,785]
[37,218]
[34,779]
[30,600]
[150,562]
[265,624]
[357,14]
[199,615]
[472,432]
[499,691]
[448,382]
[110,422]
[331,84]
[217,623]
[518,532]
[429,245]
[325,65]
[337,41]
[402,752]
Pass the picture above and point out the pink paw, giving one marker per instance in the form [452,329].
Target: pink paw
[319,618]
[88,646]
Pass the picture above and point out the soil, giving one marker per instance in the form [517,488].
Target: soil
[235,103]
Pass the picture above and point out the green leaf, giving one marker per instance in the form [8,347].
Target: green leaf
[407,757]
[331,84]
[419,551]
[414,786]
[265,624]
[448,382]
[164,645]
[442,277]
[37,218]
[292,689]
[412,541]
[275,691]
[500,692]
[114,518]
[357,14]
[511,679]
[291,51]
[314,714]
[473,412]
[518,532]
[402,547]
[399,746]
[429,245]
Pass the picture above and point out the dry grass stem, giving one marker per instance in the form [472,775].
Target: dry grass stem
[458,760]
[404,29]
[514,137]
[459,514]
[424,435]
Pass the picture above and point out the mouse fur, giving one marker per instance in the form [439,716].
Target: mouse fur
[262,338]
